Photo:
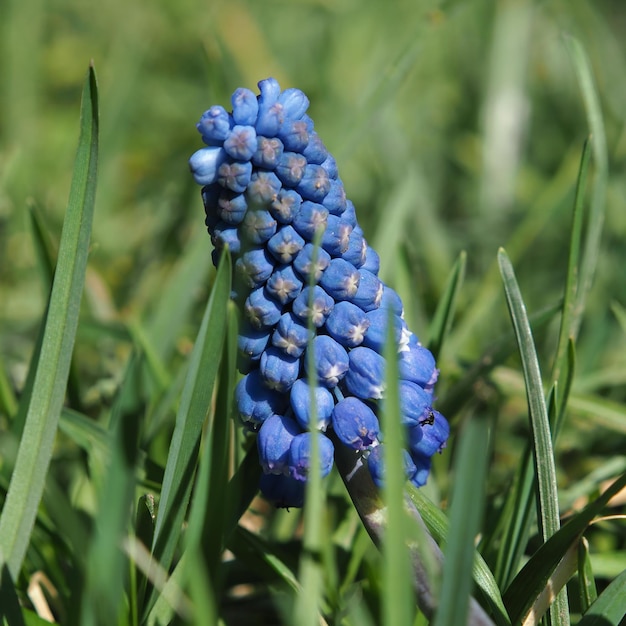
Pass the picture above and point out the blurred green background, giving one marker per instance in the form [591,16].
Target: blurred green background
[456,125]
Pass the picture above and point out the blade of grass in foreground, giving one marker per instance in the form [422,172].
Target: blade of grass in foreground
[442,320]
[582,66]
[46,399]
[543,455]
[194,405]
[532,579]
[608,609]
[465,516]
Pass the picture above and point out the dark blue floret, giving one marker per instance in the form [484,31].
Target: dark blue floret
[315,311]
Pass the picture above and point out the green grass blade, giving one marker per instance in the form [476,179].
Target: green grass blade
[569,323]
[310,572]
[533,577]
[194,406]
[542,440]
[466,512]
[609,608]
[543,454]
[586,582]
[9,602]
[438,525]
[46,400]
[8,402]
[584,73]
[397,593]
[446,308]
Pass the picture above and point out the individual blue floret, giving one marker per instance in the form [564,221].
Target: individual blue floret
[255,401]
[285,244]
[355,424]
[315,306]
[245,107]
[330,359]
[284,284]
[299,459]
[300,400]
[285,206]
[279,370]
[366,375]
[273,443]
[261,310]
[340,280]
[241,143]
[347,324]
[291,335]
[205,163]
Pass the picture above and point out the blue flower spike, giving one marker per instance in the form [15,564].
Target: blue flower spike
[271,190]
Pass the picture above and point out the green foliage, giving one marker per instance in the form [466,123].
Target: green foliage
[127,490]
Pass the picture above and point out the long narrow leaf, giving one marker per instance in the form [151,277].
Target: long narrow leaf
[27,481]
[532,579]
[609,608]
[194,406]
[543,455]
[465,516]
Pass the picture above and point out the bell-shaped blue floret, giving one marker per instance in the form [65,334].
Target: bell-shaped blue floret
[366,375]
[376,336]
[311,261]
[290,168]
[258,227]
[314,184]
[268,152]
[355,254]
[376,465]
[273,442]
[279,370]
[347,324]
[291,335]
[251,341]
[204,164]
[309,219]
[226,235]
[255,401]
[284,284]
[355,424]
[415,404]
[294,103]
[286,205]
[254,267]
[294,135]
[260,309]
[391,300]
[372,261]
[417,364]
[331,361]
[285,244]
[300,399]
[435,433]
[340,280]
[245,107]
[370,292]
[231,207]
[299,459]
[330,165]
[263,189]
[282,491]
[241,143]
[234,175]
[315,151]
[335,199]
[336,237]
[214,125]
[315,306]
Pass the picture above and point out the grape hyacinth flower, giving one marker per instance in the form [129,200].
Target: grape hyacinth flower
[306,279]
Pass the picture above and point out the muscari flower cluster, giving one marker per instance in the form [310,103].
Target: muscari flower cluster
[306,279]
